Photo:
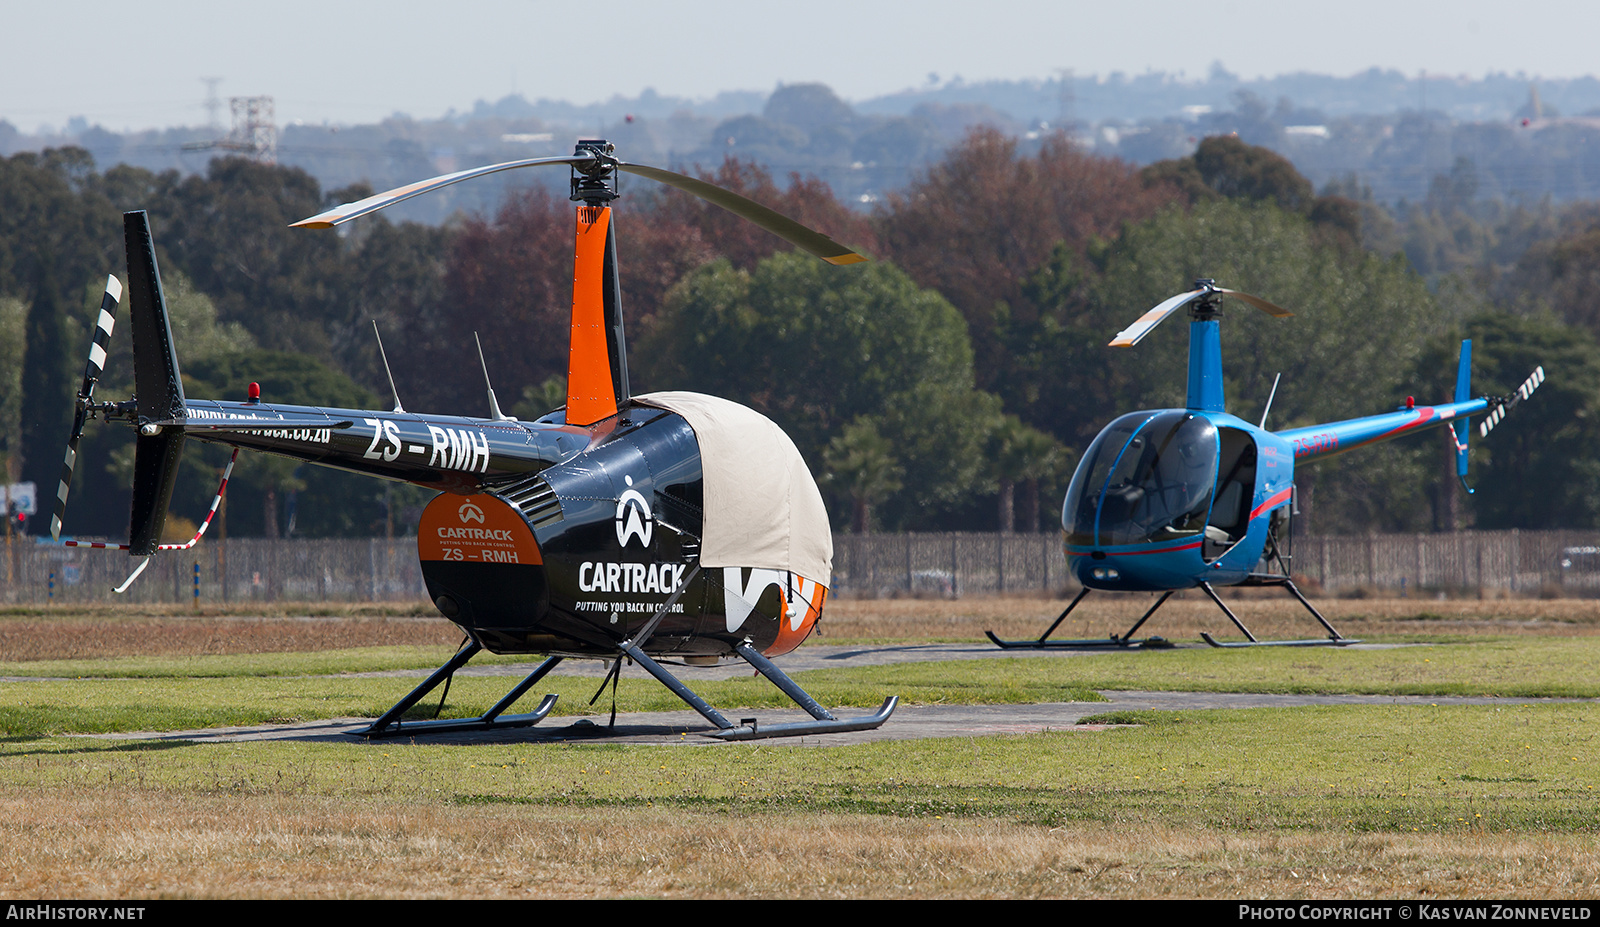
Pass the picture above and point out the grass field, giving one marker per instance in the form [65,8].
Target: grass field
[1348,801]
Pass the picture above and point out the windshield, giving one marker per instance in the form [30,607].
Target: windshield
[1148,476]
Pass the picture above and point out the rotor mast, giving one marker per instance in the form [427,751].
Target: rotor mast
[597,360]
[1205,349]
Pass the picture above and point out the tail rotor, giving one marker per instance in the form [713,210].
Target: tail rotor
[1498,411]
[91,376]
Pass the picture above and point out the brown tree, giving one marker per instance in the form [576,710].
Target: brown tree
[510,280]
[978,223]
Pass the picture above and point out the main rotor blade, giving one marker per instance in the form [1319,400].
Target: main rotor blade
[1257,302]
[778,224]
[1131,335]
[342,214]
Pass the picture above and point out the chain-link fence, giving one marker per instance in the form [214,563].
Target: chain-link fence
[938,565]
[238,570]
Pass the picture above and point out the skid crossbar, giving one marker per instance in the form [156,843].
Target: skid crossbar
[390,724]
[1334,638]
[749,729]
[1125,640]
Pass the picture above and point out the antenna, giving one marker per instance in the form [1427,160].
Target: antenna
[255,129]
[1270,396]
[386,370]
[212,102]
[494,407]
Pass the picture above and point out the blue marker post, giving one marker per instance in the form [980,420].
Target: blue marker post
[51,595]
[197,585]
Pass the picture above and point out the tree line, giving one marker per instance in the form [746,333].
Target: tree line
[947,384]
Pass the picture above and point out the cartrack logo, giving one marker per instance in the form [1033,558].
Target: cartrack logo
[633,517]
[469,512]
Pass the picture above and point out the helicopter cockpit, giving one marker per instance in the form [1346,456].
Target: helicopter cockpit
[1149,477]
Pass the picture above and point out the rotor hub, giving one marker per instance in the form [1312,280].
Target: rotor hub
[594,183]
[1207,305]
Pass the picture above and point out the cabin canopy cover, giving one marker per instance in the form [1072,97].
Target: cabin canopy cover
[762,508]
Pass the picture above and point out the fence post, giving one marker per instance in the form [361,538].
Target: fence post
[911,585]
[955,567]
[1516,559]
[999,561]
[1372,560]
[1477,546]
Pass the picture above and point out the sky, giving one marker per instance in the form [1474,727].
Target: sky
[135,65]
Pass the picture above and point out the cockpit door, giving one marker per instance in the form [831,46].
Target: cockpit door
[1147,478]
[1229,520]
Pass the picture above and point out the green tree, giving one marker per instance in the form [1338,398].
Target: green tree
[13,318]
[1540,467]
[816,347]
[329,502]
[1224,167]
[860,462]
[55,233]
[1357,329]
[46,408]
[229,231]
[1022,456]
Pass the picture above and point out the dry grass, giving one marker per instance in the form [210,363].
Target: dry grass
[1269,614]
[227,839]
[96,636]
[87,632]
[156,845]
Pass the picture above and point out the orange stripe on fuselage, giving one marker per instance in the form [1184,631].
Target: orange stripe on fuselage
[590,397]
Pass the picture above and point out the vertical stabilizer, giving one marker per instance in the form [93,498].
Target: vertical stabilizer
[159,388]
[1463,428]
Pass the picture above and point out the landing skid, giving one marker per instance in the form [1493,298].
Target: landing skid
[823,721]
[748,728]
[390,724]
[1312,642]
[1126,640]
[1334,639]
[1090,643]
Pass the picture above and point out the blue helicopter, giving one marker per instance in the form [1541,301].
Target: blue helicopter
[1171,499]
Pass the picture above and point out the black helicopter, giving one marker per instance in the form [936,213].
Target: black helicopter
[668,526]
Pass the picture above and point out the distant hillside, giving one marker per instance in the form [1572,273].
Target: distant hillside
[1379,130]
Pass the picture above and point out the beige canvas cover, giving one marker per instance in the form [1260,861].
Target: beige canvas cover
[762,508]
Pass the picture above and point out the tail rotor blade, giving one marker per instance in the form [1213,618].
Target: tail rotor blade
[91,376]
[1497,414]
[67,465]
